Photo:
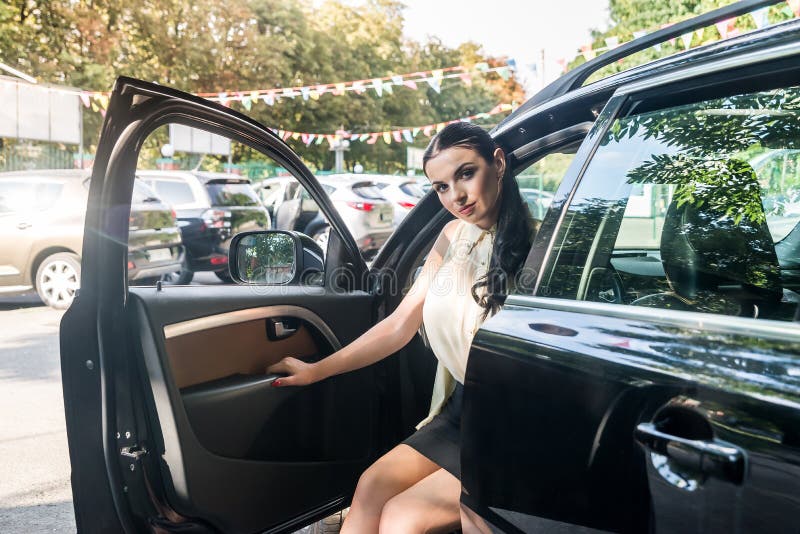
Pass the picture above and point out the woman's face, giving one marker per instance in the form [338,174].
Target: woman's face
[468,186]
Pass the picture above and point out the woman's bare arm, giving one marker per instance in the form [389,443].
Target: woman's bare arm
[385,338]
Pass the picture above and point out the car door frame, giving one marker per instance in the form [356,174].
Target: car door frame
[97,377]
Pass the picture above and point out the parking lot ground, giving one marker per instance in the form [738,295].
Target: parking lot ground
[35,494]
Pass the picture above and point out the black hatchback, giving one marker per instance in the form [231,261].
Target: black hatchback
[643,377]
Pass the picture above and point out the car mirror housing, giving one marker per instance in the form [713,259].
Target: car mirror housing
[275,257]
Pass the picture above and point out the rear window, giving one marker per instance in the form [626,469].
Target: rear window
[411,188]
[174,192]
[223,194]
[367,190]
[18,197]
[143,193]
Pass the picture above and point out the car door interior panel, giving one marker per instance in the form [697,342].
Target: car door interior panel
[231,427]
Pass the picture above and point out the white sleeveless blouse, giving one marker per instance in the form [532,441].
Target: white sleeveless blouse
[450,314]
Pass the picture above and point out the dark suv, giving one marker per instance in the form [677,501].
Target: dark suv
[643,377]
[211,207]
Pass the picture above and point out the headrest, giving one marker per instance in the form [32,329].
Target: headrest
[715,234]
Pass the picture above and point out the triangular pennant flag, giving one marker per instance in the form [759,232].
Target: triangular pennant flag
[306,139]
[254,96]
[314,94]
[95,106]
[268,98]
[331,139]
[466,78]
[378,86]
[638,34]
[427,130]
[387,86]
[411,84]
[85,99]
[296,135]
[358,87]
[223,98]
[504,72]
[373,139]
[482,116]
[794,5]
[686,39]
[612,42]
[338,89]
[102,101]
[414,132]
[435,84]
[512,63]
[397,136]
[320,139]
[247,102]
[364,137]
[306,92]
[407,136]
[387,137]
[440,127]
[321,89]
[438,74]
[397,80]
[657,46]
[699,33]
[280,133]
[722,28]
[482,66]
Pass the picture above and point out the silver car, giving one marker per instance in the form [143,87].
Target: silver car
[365,211]
[402,191]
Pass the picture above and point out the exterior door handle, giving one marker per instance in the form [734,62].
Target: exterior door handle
[24,225]
[710,457]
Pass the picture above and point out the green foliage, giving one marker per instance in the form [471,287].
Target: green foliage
[224,45]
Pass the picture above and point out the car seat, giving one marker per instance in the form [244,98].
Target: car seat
[713,263]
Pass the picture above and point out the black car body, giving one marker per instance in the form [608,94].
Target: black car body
[631,384]
[211,208]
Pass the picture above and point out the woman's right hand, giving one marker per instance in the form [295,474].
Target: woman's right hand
[299,373]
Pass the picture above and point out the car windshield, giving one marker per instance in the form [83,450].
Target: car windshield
[232,194]
[367,190]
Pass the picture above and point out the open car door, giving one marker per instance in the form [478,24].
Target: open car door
[171,420]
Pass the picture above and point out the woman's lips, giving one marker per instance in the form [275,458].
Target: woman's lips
[466,210]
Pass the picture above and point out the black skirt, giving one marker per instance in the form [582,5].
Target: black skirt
[440,439]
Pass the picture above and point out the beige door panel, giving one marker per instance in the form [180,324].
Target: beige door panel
[241,348]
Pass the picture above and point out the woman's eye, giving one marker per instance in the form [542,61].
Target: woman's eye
[441,188]
[469,173]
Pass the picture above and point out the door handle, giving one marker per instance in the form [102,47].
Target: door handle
[24,225]
[281,328]
[710,457]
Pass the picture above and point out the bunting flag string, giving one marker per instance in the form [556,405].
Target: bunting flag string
[399,135]
[725,28]
[381,86]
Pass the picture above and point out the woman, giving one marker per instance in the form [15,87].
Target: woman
[415,487]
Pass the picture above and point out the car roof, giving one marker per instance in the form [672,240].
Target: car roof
[203,176]
[48,173]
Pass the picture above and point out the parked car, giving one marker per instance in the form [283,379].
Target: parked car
[538,201]
[211,208]
[366,213]
[643,377]
[41,234]
[402,191]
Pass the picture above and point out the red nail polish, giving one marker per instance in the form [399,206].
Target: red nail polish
[276,383]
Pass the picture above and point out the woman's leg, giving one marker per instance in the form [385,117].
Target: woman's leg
[391,474]
[430,505]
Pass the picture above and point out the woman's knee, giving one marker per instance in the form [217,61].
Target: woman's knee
[400,516]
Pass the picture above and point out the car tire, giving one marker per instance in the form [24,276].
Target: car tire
[178,278]
[58,279]
[321,237]
[225,276]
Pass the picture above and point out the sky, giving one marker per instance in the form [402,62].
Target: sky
[519,29]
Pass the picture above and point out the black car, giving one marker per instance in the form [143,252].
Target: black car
[211,208]
[644,377]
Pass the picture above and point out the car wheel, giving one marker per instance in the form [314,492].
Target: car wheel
[321,237]
[58,279]
[224,275]
[178,278]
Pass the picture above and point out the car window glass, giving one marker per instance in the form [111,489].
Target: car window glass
[232,194]
[367,190]
[143,193]
[539,181]
[692,208]
[412,189]
[20,197]
[174,192]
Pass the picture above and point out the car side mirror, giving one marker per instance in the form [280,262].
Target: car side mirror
[275,257]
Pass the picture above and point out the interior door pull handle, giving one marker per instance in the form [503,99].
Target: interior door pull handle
[281,328]
[711,457]
[24,225]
